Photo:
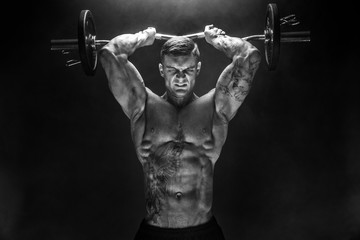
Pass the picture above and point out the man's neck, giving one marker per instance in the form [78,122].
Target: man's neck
[179,102]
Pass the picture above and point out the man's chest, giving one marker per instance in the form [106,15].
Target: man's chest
[191,124]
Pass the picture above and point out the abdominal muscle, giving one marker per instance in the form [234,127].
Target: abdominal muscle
[178,186]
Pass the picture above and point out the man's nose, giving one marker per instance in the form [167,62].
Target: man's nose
[180,75]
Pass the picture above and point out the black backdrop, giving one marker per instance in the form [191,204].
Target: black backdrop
[288,169]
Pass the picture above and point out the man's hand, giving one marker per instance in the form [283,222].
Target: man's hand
[147,36]
[211,33]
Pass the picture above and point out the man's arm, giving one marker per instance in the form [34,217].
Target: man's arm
[125,81]
[235,81]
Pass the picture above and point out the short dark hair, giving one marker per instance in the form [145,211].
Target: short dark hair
[180,46]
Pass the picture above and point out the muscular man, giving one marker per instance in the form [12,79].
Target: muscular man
[178,136]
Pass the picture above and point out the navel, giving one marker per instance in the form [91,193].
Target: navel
[178,195]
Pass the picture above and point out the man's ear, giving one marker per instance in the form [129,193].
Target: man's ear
[161,69]
[198,67]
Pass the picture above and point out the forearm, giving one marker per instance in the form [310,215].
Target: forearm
[235,82]
[114,57]
[245,59]
[124,45]
[230,46]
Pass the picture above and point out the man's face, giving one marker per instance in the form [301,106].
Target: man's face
[179,73]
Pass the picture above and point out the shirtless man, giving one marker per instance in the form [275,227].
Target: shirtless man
[179,136]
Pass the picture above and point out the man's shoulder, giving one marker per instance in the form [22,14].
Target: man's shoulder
[153,97]
[206,98]
[153,100]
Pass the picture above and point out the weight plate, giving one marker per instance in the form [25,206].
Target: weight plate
[87,37]
[272,36]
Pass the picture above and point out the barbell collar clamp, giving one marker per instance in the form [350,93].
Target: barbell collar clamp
[64,44]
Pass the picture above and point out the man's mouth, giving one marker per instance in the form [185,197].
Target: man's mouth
[181,88]
[181,85]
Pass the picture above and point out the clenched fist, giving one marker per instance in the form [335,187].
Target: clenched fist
[212,33]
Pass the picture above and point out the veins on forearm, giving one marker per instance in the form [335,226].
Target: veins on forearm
[124,45]
[229,45]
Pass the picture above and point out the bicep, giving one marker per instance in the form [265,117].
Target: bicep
[235,82]
[125,82]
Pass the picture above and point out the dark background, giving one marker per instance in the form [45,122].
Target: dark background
[288,170]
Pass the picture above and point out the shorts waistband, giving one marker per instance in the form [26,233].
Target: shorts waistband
[193,229]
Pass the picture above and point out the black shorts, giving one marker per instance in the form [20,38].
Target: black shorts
[207,231]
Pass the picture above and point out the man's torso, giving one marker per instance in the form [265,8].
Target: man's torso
[178,149]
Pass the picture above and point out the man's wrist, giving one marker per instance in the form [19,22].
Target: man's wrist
[146,37]
[141,38]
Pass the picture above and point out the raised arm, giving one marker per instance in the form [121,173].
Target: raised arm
[124,80]
[235,81]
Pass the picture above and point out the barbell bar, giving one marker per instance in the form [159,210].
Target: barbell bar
[87,45]
[301,36]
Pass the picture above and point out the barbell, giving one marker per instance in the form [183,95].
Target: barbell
[87,45]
